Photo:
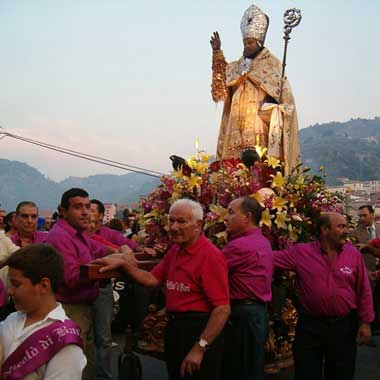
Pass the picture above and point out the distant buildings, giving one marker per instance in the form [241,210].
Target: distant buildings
[109,212]
[358,193]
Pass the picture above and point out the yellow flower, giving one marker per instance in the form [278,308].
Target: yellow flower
[266,218]
[220,211]
[152,214]
[300,180]
[279,203]
[193,180]
[278,180]
[259,198]
[177,191]
[192,161]
[178,173]
[201,167]
[204,157]
[165,222]
[293,198]
[198,163]
[273,162]
[293,233]
[259,149]
[280,220]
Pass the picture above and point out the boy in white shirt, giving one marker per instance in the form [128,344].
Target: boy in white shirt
[38,341]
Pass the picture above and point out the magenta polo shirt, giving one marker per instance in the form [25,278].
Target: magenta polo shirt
[77,249]
[38,237]
[250,266]
[329,289]
[115,237]
[195,277]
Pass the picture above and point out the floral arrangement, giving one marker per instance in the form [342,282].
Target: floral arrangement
[290,203]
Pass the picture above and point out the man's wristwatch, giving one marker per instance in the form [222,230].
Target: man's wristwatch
[203,343]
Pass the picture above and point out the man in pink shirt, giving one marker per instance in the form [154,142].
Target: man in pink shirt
[69,237]
[102,308]
[194,273]
[26,223]
[335,300]
[113,236]
[250,266]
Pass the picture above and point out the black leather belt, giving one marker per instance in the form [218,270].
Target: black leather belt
[188,315]
[330,319]
[246,301]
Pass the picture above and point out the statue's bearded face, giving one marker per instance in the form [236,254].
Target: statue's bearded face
[251,47]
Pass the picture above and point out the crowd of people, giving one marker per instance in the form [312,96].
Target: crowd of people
[57,324]
[79,236]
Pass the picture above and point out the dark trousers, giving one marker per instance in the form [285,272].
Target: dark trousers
[245,337]
[376,297]
[182,332]
[325,340]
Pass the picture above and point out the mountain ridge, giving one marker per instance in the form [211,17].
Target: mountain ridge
[31,184]
[348,149]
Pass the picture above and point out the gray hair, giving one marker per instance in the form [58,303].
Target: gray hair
[196,208]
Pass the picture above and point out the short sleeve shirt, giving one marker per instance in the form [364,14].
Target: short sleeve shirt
[196,277]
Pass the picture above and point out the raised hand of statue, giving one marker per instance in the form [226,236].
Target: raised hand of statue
[215,41]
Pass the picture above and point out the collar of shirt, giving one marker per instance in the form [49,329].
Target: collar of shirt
[17,239]
[323,252]
[193,249]
[99,229]
[71,230]
[251,231]
[57,314]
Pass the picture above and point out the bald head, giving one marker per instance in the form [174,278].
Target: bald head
[332,227]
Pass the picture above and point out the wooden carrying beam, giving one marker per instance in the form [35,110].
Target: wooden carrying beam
[91,271]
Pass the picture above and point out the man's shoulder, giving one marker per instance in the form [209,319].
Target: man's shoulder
[306,247]
[40,236]
[209,246]
[351,249]
[110,234]
[56,232]
[12,321]
[59,235]
[360,233]
[41,233]
[250,239]
[106,229]
[207,250]
[359,228]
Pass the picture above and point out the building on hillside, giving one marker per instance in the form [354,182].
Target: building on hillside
[358,193]
[367,186]
[109,212]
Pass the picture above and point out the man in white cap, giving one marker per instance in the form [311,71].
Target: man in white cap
[255,110]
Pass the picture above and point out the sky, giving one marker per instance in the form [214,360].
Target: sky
[130,80]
